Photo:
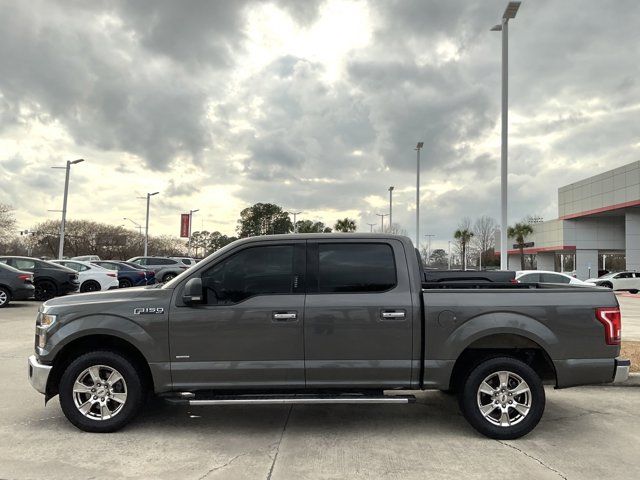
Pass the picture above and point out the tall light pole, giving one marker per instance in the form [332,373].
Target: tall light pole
[135,223]
[191,212]
[295,226]
[418,148]
[371,225]
[449,256]
[509,12]
[382,215]
[64,204]
[391,207]
[146,226]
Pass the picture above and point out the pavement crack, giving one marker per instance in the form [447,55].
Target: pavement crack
[533,458]
[219,467]
[275,457]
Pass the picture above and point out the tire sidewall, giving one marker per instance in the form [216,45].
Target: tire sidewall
[131,376]
[8,299]
[39,294]
[84,288]
[168,276]
[125,283]
[469,405]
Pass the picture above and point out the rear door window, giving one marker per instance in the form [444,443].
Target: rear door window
[355,268]
[553,278]
[530,278]
[25,264]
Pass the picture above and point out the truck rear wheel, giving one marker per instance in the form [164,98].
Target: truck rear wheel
[101,391]
[503,398]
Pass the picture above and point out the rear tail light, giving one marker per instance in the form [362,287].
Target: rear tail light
[26,278]
[111,275]
[140,274]
[513,280]
[611,318]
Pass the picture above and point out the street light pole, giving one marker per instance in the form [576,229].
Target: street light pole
[382,215]
[146,226]
[135,223]
[371,225]
[449,256]
[64,204]
[429,235]
[510,12]
[191,212]
[418,148]
[391,207]
[295,225]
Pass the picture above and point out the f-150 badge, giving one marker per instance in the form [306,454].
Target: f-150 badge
[148,310]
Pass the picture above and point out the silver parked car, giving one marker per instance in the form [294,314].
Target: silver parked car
[165,268]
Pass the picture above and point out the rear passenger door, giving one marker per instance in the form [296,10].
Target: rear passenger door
[358,315]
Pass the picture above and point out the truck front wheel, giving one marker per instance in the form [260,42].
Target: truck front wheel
[503,398]
[101,391]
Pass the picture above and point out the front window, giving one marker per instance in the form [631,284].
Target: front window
[253,271]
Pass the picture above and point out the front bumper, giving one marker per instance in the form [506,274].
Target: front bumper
[622,370]
[38,374]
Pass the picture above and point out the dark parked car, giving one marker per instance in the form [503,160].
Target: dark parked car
[50,280]
[14,285]
[129,275]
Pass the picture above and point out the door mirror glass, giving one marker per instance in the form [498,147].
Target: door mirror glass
[192,291]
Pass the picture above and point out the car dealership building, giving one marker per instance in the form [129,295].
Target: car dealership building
[598,218]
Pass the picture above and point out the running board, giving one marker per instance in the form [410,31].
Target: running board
[290,399]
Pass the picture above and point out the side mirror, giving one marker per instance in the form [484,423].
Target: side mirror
[193,291]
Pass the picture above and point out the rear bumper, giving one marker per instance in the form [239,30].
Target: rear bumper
[622,370]
[23,293]
[38,374]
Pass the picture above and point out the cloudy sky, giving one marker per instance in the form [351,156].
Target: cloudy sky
[313,105]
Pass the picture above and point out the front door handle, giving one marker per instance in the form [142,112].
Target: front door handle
[285,317]
[393,314]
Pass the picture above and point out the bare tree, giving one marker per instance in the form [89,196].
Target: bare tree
[484,236]
[7,222]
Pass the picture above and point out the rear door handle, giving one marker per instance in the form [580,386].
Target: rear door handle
[279,317]
[393,314]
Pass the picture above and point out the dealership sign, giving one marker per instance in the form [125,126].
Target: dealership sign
[184,225]
[524,245]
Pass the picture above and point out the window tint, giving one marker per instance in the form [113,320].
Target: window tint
[355,267]
[553,278]
[140,261]
[624,275]
[73,265]
[161,261]
[186,261]
[529,278]
[250,272]
[23,264]
[4,260]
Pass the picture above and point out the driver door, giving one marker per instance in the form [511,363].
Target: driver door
[248,332]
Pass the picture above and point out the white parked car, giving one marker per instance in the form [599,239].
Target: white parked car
[544,276]
[87,258]
[92,278]
[629,281]
[188,261]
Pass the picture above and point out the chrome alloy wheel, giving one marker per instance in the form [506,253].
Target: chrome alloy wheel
[4,298]
[504,398]
[100,392]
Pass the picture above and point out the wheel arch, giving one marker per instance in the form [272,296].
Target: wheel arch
[93,342]
[500,345]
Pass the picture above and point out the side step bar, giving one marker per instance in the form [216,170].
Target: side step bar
[192,400]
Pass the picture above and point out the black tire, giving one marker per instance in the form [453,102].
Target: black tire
[471,398]
[5,297]
[45,290]
[90,286]
[168,276]
[125,283]
[634,291]
[607,285]
[133,383]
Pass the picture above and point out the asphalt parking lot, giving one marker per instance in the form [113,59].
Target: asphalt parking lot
[588,432]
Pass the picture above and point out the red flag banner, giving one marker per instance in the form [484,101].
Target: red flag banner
[184,225]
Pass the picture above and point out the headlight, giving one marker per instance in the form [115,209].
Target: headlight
[43,323]
[46,320]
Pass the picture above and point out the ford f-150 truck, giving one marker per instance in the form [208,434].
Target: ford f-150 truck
[327,318]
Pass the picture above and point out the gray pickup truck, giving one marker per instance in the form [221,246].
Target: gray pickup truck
[344,318]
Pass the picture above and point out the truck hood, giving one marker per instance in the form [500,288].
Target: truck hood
[122,295]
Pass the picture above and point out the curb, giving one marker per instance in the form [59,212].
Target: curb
[632,381]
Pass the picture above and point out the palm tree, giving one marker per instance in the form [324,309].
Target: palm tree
[345,225]
[519,232]
[464,235]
